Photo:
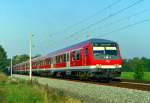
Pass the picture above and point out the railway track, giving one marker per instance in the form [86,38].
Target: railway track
[122,84]
[130,84]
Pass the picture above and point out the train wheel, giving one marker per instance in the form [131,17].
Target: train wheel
[105,80]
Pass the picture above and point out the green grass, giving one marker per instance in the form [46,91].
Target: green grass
[21,91]
[15,91]
[129,75]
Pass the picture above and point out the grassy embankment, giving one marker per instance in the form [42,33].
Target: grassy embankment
[129,75]
[20,91]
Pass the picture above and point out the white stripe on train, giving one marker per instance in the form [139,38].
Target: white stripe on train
[79,67]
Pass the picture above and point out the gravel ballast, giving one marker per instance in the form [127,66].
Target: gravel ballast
[93,93]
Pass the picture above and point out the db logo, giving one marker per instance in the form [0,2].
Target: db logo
[107,61]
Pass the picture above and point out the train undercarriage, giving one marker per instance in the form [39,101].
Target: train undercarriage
[82,74]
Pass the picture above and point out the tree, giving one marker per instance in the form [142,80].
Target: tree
[20,58]
[146,64]
[3,59]
[138,69]
[129,64]
[125,66]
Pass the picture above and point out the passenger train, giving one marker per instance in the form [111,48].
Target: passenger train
[93,58]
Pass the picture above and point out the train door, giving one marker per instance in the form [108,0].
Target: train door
[68,60]
[85,56]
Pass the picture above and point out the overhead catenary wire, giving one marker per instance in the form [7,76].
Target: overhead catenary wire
[122,19]
[102,20]
[95,14]
[106,18]
[126,27]
[89,17]
[85,19]
[78,33]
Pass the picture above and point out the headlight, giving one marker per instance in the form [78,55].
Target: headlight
[98,65]
[117,66]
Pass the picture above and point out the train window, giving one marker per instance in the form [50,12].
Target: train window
[67,56]
[76,55]
[49,60]
[64,58]
[54,60]
[46,62]
[61,58]
[43,62]
[40,63]
[86,51]
[73,55]
[57,59]
[35,64]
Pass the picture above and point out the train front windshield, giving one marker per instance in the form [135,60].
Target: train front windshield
[105,51]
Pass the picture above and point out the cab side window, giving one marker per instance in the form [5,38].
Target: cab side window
[78,55]
[86,51]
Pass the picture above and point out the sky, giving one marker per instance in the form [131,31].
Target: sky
[56,24]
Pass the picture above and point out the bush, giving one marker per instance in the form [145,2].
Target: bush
[3,78]
[138,71]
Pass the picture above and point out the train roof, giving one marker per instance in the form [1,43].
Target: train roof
[92,40]
[100,40]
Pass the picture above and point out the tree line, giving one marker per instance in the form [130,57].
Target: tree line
[129,65]
[5,62]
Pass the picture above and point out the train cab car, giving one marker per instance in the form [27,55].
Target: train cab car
[105,59]
[98,58]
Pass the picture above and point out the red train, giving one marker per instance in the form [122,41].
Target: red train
[93,58]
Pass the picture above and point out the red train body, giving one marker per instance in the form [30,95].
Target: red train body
[97,58]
